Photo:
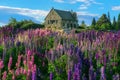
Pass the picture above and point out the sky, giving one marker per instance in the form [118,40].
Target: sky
[37,10]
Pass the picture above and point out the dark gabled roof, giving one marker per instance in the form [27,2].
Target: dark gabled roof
[66,15]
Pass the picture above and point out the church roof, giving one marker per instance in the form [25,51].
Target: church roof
[67,15]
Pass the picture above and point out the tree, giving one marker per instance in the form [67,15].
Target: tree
[109,20]
[103,23]
[109,16]
[93,23]
[114,25]
[118,22]
[12,21]
[83,24]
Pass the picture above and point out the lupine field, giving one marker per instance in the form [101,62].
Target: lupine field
[43,54]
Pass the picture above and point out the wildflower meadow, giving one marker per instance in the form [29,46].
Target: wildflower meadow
[43,54]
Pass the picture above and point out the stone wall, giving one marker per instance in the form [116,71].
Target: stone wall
[53,20]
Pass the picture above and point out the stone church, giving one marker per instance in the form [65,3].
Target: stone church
[61,19]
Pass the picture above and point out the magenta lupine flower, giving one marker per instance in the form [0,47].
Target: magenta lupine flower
[4,75]
[75,76]
[51,76]
[1,64]
[9,63]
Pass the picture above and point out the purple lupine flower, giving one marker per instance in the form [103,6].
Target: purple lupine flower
[94,76]
[75,76]
[18,43]
[51,76]
[102,73]
[91,73]
[105,60]
[97,56]
[33,75]
[69,74]
[116,77]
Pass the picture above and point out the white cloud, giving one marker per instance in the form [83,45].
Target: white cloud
[59,1]
[85,3]
[82,13]
[36,14]
[84,6]
[116,8]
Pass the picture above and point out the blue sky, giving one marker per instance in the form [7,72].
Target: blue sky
[36,10]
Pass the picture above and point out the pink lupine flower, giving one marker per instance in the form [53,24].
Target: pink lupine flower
[32,59]
[18,61]
[13,77]
[1,64]
[17,72]
[21,70]
[24,62]
[24,72]
[9,63]
[4,75]
[34,67]
[28,74]
[29,52]
[30,64]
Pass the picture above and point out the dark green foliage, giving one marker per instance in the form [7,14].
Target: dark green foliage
[1,51]
[118,22]
[114,25]
[93,22]
[59,68]
[103,23]
[39,60]
[21,77]
[24,24]
[83,25]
